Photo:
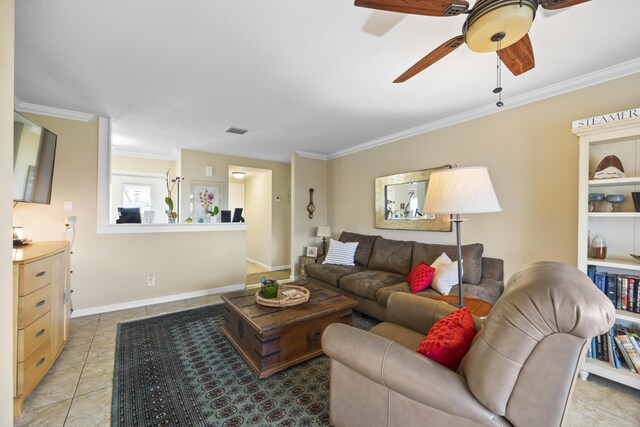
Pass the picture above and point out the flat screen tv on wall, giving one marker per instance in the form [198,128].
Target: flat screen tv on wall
[34,154]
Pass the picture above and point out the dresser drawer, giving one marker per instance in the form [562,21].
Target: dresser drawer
[35,275]
[33,306]
[33,336]
[35,366]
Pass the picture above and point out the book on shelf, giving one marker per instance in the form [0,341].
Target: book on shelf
[622,290]
[612,280]
[631,302]
[623,281]
[601,281]
[620,347]
[624,350]
[591,272]
[616,360]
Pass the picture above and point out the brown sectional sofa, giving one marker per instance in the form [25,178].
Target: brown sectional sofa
[382,266]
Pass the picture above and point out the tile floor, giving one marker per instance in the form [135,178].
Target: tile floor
[254,268]
[77,390]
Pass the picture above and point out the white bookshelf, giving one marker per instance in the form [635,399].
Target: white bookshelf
[621,230]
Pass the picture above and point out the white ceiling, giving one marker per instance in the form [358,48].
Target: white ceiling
[300,75]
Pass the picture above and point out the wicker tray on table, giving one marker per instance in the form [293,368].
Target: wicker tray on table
[288,295]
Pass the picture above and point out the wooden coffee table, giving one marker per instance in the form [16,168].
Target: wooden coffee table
[477,306]
[272,339]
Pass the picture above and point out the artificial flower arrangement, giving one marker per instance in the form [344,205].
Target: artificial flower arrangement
[171,184]
[206,200]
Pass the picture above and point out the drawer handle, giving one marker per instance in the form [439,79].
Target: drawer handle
[41,303]
[39,334]
[40,362]
[42,273]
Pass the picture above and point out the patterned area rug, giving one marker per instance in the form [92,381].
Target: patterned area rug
[179,370]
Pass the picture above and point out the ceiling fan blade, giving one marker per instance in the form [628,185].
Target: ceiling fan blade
[518,57]
[418,7]
[559,4]
[437,54]
[379,22]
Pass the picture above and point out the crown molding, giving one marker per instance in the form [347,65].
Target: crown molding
[606,74]
[26,107]
[311,155]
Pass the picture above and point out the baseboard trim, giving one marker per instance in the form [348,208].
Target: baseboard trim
[268,267]
[151,301]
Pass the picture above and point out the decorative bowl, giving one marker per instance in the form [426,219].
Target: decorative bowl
[596,197]
[615,198]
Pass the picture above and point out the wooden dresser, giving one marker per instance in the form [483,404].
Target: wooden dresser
[41,310]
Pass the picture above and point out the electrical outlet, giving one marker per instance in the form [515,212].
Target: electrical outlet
[151,280]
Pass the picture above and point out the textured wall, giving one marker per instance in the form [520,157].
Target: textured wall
[6,179]
[532,158]
[193,165]
[308,173]
[113,268]
[257,213]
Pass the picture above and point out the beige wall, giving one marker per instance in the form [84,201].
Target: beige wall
[533,161]
[308,173]
[258,215]
[193,163]
[140,164]
[113,268]
[6,179]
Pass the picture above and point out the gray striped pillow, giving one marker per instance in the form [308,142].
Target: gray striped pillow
[341,253]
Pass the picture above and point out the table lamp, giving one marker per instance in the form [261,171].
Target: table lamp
[460,191]
[324,231]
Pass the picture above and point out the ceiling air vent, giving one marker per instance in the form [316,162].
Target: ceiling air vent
[237,131]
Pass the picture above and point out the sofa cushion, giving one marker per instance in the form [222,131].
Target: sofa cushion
[366,283]
[471,258]
[365,245]
[392,255]
[383,294]
[420,277]
[341,253]
[446,276]
[330,273]
[450,338]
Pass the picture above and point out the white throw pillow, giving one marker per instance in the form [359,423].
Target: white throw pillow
[446,275]
[341,253]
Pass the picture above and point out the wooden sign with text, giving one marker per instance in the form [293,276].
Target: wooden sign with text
[633,113]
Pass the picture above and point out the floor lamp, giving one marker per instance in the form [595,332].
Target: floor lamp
[460,191]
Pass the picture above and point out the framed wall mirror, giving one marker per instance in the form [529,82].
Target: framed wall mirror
[399,202]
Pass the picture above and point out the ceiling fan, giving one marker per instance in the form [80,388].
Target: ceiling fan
[500,26]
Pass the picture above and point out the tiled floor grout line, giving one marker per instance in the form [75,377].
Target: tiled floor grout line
[81,371]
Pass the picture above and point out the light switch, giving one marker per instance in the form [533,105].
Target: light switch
[68,205]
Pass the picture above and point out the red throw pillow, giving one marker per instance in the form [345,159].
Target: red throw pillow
[421,277]
[450,338]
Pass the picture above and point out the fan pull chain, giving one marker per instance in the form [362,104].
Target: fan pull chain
[498,88]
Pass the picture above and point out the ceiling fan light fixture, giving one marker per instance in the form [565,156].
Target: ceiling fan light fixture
[490,17]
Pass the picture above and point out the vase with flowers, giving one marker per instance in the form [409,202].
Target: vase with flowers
[206,201]
[172,216]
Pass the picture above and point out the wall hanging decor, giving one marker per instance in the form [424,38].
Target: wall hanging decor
[311,207]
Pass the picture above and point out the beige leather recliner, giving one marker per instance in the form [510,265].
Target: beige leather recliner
[520,369]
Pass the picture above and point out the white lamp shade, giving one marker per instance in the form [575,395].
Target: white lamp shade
[324,231]
[238,175]
[461,191]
